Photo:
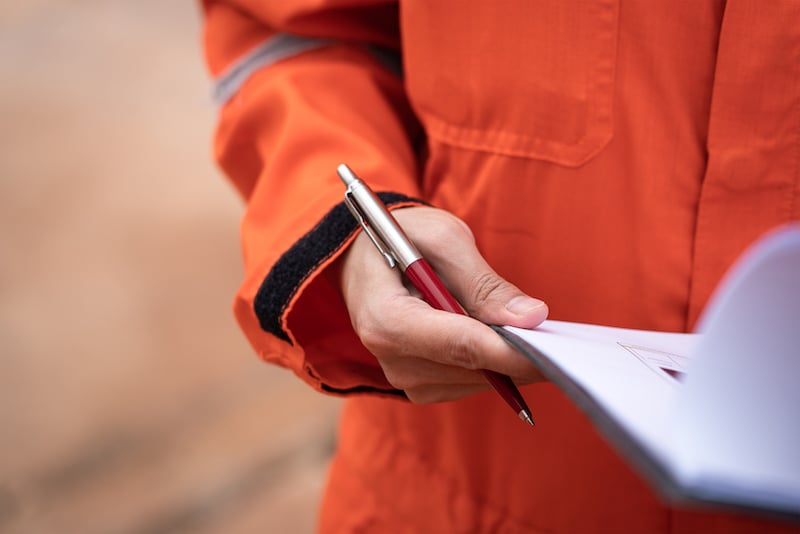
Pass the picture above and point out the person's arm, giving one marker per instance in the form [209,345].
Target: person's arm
[302,91]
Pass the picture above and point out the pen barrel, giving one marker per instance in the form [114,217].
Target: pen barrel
[430,285]
[507,389]
[433,291]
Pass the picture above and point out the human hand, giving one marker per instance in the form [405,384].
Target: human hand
[433,355]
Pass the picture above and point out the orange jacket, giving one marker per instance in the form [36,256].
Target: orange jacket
[612,158]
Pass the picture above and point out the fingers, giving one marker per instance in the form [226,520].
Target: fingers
[414,330]
[413,373]
[442,393]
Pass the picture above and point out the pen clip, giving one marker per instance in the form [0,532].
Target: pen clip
[352,205]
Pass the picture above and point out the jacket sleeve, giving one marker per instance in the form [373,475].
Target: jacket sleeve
[304,85]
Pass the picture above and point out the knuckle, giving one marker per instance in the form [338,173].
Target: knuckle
[372,336]
[425,395]
[464,227]
[446,227]
[399,379]
[415,396]
[456,226]
[460,350]
[482,288]
[440,232]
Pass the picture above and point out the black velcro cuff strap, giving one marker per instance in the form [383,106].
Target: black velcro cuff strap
[304,258]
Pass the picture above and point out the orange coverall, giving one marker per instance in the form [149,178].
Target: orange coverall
[612,157]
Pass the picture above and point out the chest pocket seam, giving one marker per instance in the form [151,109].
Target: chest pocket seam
[587,112]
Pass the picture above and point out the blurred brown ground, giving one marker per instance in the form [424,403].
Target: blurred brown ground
[129,401]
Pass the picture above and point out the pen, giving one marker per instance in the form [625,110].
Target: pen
[390,240]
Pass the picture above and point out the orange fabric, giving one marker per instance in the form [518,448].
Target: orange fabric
[612,157]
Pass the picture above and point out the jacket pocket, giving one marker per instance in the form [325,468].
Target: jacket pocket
[525,78]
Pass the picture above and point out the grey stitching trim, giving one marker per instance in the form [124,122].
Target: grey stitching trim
[277,47]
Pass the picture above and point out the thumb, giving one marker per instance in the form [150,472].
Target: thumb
[493,300]
[449,245]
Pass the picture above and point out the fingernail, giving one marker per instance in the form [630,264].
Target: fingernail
[522,305]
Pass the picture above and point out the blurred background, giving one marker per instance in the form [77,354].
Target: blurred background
[129,401]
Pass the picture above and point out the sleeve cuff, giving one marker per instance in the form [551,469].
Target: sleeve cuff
[303,258]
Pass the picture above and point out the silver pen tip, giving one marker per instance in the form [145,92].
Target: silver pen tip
[346,174]
[525,416]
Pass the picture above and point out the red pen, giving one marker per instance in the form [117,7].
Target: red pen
[397,249]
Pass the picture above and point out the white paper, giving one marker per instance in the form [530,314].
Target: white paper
[737,424]
[624,370]
[720,409]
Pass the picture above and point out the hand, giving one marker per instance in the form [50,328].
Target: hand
[434,355]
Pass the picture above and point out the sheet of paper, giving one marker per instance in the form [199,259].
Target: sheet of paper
[737,424]
[634,375]
[720,409]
